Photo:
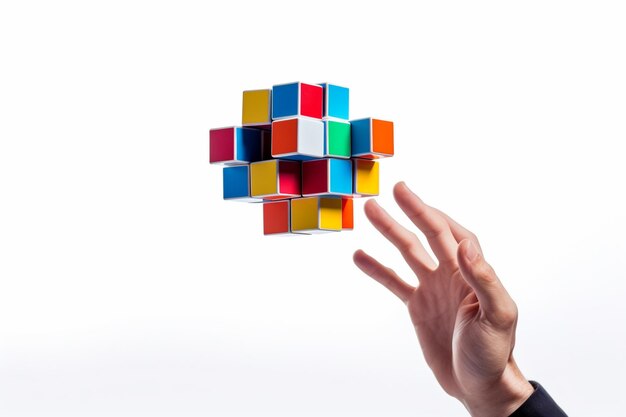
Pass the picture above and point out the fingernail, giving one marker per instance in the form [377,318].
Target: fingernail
[470,252]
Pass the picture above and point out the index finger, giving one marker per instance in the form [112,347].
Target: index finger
[430,222]
[459,232]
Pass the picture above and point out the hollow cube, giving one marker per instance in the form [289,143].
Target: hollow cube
[316,214]
[328,176]
[277,217]
[275,179]
[236,183]
[336,101]
[297,138]
[366,177]
[347,214]
[297,99]
[234,145]
[256,109]
[372,138]
[337,141]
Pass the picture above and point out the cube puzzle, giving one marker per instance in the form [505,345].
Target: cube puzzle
[298,153]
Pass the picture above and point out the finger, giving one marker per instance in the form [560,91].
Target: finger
[433,225]
[495,302]
[459,232]
[407,242]
[384,275]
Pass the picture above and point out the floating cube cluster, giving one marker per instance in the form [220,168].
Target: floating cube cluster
[298,154]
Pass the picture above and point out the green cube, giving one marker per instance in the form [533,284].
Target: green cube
[337,139]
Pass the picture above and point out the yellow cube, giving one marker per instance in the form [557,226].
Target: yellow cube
[316,214]
[275,179]
[366,177]
[257,108]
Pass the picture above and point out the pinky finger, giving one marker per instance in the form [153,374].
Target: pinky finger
[384,275]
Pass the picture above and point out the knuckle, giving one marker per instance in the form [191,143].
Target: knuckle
[486,273]
[507,317]
[409,242]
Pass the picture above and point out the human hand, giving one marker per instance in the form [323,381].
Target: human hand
[464,318]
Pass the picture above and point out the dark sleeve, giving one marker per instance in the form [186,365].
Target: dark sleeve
[539,404]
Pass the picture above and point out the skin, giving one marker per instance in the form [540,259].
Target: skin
[463,316]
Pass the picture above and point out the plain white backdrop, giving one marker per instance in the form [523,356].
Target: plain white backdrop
[129,288]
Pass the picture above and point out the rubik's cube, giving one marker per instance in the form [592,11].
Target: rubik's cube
[299,156]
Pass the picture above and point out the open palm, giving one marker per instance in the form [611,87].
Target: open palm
[464,318]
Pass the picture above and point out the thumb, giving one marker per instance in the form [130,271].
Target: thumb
[496,303]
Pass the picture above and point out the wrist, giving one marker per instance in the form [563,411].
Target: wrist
[502,397]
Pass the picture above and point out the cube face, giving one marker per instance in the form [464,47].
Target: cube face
[290,178]
[311,100]
[222,145]
[336,101]
[285,100]
[316,214]
[327,177]
[315,177]
[275,180]
[366,177]
[256,109]
[236,183]
[264,178]
[234,146]
[297,139]
[284,137]
[330,213]
[276,217]
[337,139]
[382,137]
[304,214]
[347,214]
[297,99]
[340,176]
[372,138]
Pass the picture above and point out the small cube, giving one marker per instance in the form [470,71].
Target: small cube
[256,108]
[316,214]
[298,138]
[234,145]
[347,214]
[337,141]
[276,217]
[297,99]
[328,176]
[336,101]
[236,182]
[372,138]
[275,179]
[366,177]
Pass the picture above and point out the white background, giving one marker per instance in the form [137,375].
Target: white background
[129,288]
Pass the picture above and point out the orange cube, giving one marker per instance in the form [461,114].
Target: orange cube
[372,138]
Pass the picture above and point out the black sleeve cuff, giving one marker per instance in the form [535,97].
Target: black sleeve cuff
[539,404]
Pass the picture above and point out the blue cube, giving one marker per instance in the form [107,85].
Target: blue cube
[237,184]
[336,101]
[297,99]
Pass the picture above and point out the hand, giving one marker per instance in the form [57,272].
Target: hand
[464,318]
